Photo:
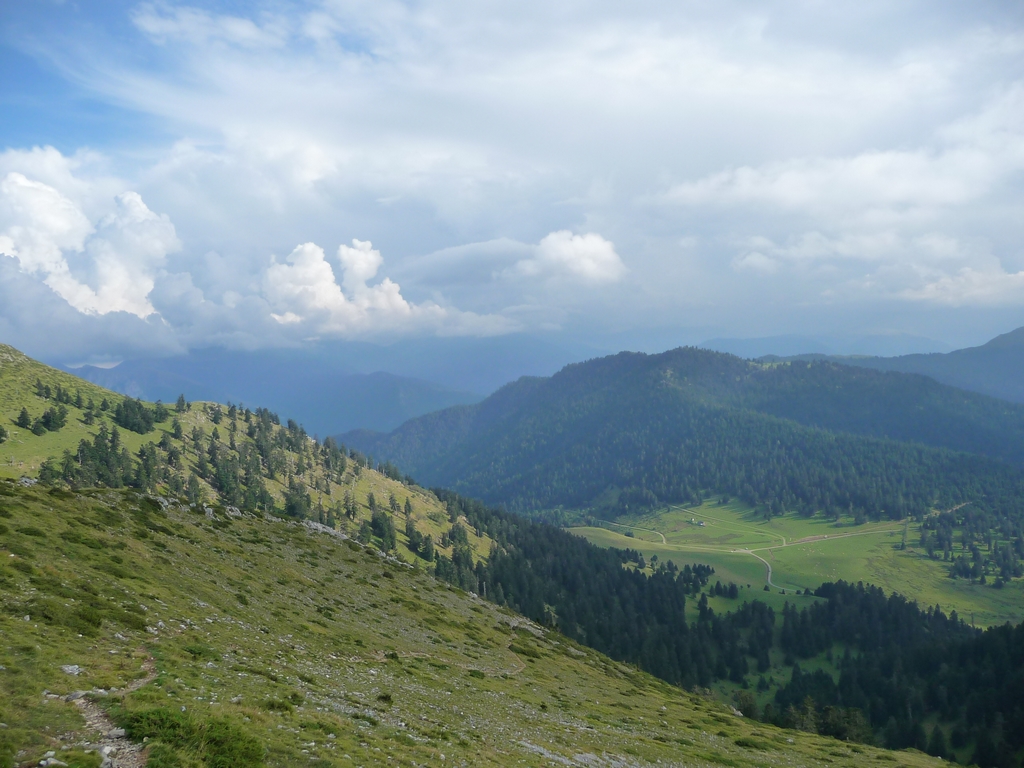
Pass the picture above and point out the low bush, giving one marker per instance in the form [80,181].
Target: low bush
[217,742]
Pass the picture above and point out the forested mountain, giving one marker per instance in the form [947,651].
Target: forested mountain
[995,368]
[634,430]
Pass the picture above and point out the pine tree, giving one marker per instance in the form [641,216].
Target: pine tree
[937,745]
[24,420]
[194,489]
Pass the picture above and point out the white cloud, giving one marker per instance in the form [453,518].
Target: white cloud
[196,27]
[871,185]
[755,261]
[115,260]
[587,258]
[304,291]
[969,286]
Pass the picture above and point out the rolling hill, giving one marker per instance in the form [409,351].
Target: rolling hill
[235,619]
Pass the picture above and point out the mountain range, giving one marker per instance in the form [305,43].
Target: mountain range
[995,368]
[332,387]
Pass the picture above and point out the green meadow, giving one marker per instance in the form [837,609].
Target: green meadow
[803,553]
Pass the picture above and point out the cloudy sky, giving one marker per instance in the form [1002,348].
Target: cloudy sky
[260,174]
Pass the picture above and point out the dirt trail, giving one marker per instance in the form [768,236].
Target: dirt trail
[109,740]
[766,565]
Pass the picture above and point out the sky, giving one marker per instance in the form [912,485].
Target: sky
[176,176]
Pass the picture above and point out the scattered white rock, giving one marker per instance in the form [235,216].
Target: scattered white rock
[71,669]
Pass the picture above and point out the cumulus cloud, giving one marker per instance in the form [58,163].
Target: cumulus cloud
[101,255]
[586,258]
[116,259]
[304,291]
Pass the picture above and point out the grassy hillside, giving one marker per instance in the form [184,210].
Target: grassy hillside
[241,639]
[23,453]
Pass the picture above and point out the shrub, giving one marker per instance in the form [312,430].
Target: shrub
[218,742]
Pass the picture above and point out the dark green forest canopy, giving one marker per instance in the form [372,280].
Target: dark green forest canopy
[816,438]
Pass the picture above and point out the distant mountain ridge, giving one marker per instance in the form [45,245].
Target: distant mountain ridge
[995,368]
[665,426]
[327,397]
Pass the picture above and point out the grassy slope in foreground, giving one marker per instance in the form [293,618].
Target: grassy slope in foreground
[325,653]
[805,552]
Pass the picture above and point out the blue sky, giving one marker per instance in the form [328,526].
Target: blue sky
[179,175]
